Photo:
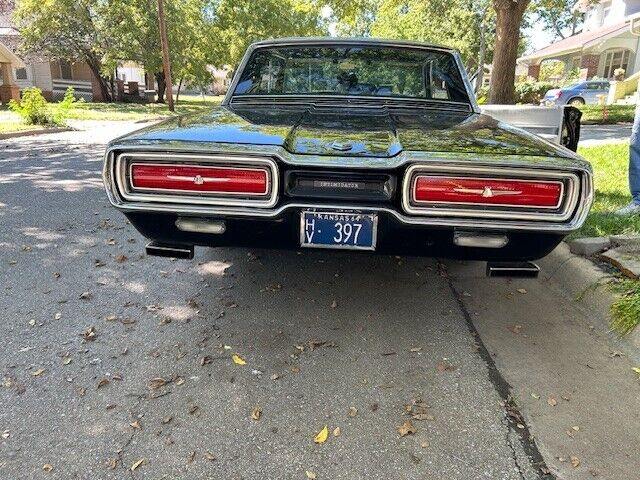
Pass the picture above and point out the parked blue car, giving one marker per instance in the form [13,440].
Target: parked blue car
[578,94]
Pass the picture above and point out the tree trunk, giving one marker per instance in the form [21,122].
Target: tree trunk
[179,87]
[161,86]
[503,73]
[94,66]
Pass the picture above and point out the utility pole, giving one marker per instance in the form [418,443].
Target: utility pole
[166,62]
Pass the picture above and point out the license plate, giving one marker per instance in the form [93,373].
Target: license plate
[348,230]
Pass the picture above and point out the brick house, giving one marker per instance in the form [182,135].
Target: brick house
[606,42]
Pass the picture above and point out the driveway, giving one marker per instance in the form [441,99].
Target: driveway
[115,365]
[592,135]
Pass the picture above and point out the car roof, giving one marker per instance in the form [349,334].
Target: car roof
[293,41]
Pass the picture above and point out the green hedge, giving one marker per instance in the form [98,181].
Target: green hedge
[532,92]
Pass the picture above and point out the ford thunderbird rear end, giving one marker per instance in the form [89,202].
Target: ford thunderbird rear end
[369,145]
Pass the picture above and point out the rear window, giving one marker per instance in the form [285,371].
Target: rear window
[378,71]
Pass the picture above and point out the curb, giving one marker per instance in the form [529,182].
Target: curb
[586,284]
[28,133]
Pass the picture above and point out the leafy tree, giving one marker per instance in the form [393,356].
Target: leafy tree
[560,17]
[462,24]
[65,29]
[238,23]
[509,15]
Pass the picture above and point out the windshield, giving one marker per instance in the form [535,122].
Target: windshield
[380,71]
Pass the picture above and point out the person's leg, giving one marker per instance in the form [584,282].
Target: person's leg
[634,168]
[634,159]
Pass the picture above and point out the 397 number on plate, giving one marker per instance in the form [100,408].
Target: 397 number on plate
[338,230]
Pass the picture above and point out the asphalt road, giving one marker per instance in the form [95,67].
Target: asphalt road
[110,359]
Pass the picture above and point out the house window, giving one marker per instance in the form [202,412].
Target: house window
[65,70]
[615,59]
[21,74]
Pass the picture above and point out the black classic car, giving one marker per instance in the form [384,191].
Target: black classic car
[355,144]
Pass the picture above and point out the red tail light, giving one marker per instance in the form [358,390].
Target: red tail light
[200,179]
[485,191]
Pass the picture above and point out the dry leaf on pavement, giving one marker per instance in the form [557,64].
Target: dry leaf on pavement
[522,291]
[238,360]
[337,432]
[136,424]
[38,372]
[209,456]
[256,413]
[137,464]
[353,411]
[322,436]
[121,258]
[311,475]
[575,461]
[406,428]
[89,334]
[47,467]
[552,401]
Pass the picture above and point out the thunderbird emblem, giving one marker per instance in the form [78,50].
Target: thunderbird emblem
[342,147]
[487,192]
[198,180]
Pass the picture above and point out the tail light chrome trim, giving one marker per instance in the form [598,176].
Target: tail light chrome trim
[570,194]
[124,162]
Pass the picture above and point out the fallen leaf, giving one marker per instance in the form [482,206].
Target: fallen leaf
[415,349]
[89,334]
[194,409]
[575,428]
[422,416]
[295,369]
[636,369]
[136,424]
[256,413]
[57,316]
[85,295]
[113,464]
[424,445]
[121,258]
[238,360]
[536,396]
[209,456]
[616,353]
[406,428]
[552,401]
[66,360]
[38,372]
[522,291]
[137,464]
[311,475]
[445,366]
[191,457]
[102,383]
[275,376]
[337,432]
[515,329]
[156,383]
[179,381]
[206,360]
[322,436]
[575,461]
[47,467]
[353,411]
[6,434]
[167,420]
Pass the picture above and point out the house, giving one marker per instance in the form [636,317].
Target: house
[605,44]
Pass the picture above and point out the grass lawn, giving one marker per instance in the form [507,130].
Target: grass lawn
[11,127]
[610,168]
[138,111]
[594,114]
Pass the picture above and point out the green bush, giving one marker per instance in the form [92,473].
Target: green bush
[62,112]
[532,92]
[32,107]
[482,95]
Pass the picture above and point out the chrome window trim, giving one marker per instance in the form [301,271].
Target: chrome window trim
[123,187]
[133,189]
[569,204]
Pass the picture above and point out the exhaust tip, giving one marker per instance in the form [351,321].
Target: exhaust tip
[171,251]
[512,269]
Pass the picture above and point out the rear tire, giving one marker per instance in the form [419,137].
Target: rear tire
[576,102]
